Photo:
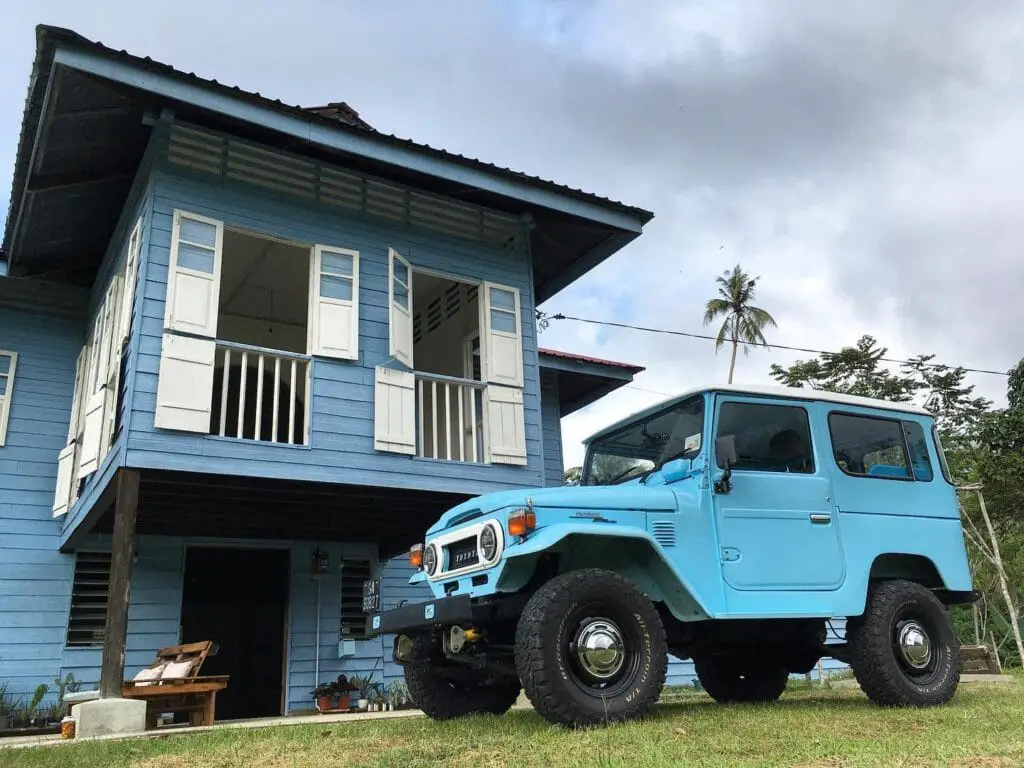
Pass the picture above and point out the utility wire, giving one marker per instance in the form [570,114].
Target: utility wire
[544,318]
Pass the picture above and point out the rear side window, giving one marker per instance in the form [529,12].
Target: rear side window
[920,462]
[943,465]
[869,446]
[769,438]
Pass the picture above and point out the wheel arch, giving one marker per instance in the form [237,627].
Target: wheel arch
[911,567]
[632,554]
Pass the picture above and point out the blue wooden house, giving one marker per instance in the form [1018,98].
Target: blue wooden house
[248,353]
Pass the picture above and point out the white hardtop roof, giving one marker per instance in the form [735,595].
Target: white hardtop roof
[796,393]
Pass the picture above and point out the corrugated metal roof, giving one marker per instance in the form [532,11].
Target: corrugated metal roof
[58,35]
[593,360]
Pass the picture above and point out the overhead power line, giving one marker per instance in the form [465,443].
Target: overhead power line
[544,318]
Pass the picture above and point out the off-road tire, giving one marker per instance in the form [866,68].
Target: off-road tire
[874,655]
[543,656]
[440,699]
[741,680]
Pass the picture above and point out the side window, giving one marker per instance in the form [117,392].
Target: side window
[943,465]
[919,459]
[769,438]
[869,446]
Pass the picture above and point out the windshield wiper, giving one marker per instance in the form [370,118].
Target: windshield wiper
[622,475]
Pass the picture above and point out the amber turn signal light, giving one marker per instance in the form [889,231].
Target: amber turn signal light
[416,556]
[521,522]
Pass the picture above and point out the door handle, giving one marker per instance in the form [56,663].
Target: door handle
[821,517]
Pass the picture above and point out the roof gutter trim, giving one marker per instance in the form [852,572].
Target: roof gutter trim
[315,133]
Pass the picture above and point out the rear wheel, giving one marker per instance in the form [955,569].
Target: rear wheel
[731,679]
[903,650]
[444,694]
[591,649]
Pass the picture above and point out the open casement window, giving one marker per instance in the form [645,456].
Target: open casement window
[131,274]
[503,343]
[193,277]
[400,312]
[8,362]
[506,425]
[113,380]
[96,384]
[184,392]
[334,303]
[62,497]
[394,406]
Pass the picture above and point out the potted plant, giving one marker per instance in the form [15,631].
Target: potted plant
[344,689]
[325,695]
[362,685]
[6,706]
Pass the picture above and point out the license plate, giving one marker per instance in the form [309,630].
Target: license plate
[371,595]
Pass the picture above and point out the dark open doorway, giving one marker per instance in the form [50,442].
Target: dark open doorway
[239,599]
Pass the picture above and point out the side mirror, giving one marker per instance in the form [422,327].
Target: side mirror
[676,470]
[725,450]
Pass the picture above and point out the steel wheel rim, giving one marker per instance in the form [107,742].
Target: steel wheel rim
[610,663]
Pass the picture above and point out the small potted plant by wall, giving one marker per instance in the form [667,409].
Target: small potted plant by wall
[6,706]
[344,689]
[325,695]
[362,685]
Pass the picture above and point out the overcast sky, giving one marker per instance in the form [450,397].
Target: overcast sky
[866,159]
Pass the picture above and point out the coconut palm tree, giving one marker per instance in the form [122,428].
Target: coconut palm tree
[744,323]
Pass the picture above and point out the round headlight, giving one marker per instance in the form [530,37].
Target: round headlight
[430,559]
[488,543]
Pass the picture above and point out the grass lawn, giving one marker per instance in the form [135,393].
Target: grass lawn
[984,727]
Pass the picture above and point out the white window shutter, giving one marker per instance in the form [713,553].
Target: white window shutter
[92,433]
[394,409]
[131,273]
[506,425]
[334,303]
[65,480]
[193,277]
[8,363]
[76,402]
[110,384]
[502,338]
[400,312]
[184,391]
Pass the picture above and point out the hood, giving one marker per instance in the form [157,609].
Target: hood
[626,497]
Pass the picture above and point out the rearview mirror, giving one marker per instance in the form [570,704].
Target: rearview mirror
[725,450]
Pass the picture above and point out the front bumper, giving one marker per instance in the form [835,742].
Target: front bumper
[444,611]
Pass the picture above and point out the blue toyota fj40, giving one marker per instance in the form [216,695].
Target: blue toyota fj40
[729,525]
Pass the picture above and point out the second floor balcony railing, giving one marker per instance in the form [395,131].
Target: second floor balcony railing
[450,418]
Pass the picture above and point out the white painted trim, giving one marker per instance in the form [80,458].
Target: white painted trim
[5,399]
[464,533]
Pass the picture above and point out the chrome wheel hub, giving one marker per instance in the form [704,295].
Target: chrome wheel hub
[914,645]
[599,648]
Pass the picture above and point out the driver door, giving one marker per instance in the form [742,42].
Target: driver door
[776,523]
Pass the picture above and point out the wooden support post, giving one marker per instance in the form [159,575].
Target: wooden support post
[122,552]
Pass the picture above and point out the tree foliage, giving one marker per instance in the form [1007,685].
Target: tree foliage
[743,322]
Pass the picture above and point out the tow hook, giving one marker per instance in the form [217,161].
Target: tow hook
[458,638]
[402,651]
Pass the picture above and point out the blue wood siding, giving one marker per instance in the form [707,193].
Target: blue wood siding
[35,579]
[341,434]
[551,424]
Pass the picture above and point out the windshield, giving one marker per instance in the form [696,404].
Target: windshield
[646,444]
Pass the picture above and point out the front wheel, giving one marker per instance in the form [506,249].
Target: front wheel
[444,694]
[591,649]
[903,650]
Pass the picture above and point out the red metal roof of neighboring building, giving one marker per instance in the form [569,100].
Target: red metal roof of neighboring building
[594,360]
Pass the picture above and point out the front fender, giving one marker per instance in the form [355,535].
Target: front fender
[628,550]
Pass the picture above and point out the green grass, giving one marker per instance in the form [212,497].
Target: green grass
[809,727]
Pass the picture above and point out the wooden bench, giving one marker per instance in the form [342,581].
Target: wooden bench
[979,659]
[185,692]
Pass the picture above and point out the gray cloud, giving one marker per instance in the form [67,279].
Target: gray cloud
[862,157]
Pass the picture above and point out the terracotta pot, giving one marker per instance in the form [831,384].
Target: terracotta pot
[343,701]
[325,702]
